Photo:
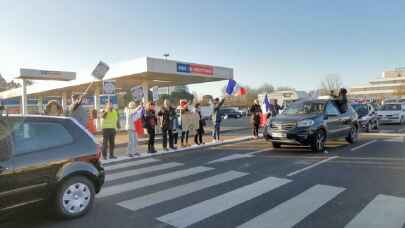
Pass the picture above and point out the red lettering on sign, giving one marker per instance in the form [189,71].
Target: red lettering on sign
[202,69]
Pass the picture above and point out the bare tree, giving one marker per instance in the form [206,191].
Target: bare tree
[331,82]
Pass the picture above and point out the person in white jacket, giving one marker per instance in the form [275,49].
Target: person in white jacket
[132,113]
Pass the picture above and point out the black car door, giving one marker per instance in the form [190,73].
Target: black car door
[6,171]
[38,150]
[333,120]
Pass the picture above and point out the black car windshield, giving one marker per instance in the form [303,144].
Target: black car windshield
[304,108]
[390,107]
[361,109]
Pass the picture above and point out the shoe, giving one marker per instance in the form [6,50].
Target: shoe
[173,148]
[113,157]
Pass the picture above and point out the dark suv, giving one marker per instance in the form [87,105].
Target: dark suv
[311,123]
[230,113]
[49,160]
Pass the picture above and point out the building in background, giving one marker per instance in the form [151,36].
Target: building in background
[392,84]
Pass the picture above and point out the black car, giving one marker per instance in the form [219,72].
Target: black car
[230,113]
[48,160]
[368,118]
[311,123]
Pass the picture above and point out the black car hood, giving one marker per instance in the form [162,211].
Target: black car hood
[295,118]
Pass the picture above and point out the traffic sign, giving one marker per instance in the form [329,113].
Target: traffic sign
[155,92]
[109,87]
[137,93]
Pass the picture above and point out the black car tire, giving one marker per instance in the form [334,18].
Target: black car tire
[353,134]
[376,125]
[276,145]
[318,142]
[84,197]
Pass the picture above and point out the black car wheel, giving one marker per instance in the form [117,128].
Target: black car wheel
[318,143]
[74,197]
[376,125]
[276,145]
[353,134]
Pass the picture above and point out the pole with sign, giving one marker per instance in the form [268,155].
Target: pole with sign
[137,93]
[155,92]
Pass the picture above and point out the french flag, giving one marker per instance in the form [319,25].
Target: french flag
[234,89]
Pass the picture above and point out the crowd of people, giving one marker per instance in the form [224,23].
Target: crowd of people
[174,122]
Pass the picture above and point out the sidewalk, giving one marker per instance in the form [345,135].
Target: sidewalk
[121,140]
[121,152]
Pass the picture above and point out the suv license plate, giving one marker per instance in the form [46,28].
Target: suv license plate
[279,135]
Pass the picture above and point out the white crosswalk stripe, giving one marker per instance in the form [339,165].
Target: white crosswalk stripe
[384,211]
[130,186]
[182,190]
[130,164]
[294,210]
[198,212]
[133,172]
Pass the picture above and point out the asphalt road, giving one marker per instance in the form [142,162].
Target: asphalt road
[250,184]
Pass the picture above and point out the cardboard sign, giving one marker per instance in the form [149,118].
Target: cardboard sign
[189,121]
[137,93]
[109,87]
[100,71]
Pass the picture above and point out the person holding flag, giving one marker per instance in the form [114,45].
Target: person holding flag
[132,114]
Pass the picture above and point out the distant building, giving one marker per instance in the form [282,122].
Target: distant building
[391,82]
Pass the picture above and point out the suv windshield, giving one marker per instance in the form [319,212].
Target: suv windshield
[304,108]
[391,107]
[361,109]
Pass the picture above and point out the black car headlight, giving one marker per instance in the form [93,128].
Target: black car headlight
[305,123]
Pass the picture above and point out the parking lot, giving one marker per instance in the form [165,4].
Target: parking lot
[249,184]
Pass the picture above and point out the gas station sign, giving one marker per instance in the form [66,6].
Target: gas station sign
[195,68]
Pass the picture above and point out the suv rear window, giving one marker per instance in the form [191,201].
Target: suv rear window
[36,136]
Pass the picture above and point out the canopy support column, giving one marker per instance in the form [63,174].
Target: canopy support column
[97,105]
[24,98]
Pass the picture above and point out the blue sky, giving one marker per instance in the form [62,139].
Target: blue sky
[284,43]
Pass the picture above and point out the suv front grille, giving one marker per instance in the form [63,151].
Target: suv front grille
[283,126]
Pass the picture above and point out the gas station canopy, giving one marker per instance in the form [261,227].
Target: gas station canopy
[145,71]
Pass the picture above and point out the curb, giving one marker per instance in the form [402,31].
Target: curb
[208,145]
[384,134]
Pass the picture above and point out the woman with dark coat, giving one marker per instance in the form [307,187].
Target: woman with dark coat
[256,110]
[198,138]
[150,121]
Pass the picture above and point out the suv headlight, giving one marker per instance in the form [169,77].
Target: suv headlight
[305,123]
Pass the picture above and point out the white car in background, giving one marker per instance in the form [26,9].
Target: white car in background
[392,113]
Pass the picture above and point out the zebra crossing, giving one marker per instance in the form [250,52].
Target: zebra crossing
[382,211]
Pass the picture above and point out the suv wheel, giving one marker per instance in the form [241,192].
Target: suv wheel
[74,197]
[318,143]
[276,145]
[353,134]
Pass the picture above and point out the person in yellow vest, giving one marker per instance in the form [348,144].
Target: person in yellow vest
[111,122]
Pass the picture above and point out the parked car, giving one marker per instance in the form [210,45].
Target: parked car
[392,113]
[312,123]
[368,118]
[230,113]
[48,160]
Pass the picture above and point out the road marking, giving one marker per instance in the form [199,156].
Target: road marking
[130,164]
[237,156]
[311,166]
[384,211]
[296,209]
[182,190]
[364,145]
[130,186]
[396,139]
[120,175]
[198,212]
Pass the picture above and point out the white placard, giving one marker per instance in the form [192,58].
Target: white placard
[155,91]
[100,71]
[109,87]
[137,93]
